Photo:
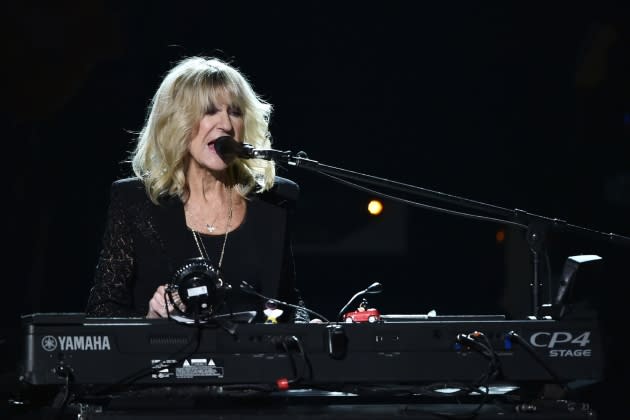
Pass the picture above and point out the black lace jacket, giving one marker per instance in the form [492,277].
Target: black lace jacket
[144,244]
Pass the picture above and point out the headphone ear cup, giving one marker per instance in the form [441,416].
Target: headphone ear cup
[197,289]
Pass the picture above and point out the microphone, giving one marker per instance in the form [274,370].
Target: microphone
[374,288]
[248,288]
[229,149]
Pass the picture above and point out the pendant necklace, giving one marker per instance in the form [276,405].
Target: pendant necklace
[211,228]
[199,242]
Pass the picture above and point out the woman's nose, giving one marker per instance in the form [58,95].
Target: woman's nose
[225,122]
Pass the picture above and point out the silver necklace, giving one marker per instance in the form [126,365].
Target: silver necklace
[211,228]
[202,248]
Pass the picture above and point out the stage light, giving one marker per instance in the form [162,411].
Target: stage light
[375,207]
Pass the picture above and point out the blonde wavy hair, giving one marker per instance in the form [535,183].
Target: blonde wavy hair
[186,93]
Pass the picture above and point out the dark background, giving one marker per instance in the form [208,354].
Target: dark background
[522,105]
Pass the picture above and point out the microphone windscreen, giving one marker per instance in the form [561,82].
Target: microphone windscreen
[227,148]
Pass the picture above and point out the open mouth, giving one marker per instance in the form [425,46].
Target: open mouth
[211,143]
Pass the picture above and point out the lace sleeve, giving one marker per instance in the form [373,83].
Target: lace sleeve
[110,295]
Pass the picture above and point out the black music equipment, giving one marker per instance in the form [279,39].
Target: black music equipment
[228,149]
[60,347]
[196,289]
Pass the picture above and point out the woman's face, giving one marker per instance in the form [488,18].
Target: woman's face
[223,119]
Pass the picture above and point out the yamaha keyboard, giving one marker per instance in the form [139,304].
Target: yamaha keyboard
[63,347]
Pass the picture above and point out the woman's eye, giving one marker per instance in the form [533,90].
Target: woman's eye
[211,111]
[236,112]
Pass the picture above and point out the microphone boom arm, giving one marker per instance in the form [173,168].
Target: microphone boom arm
[536,225]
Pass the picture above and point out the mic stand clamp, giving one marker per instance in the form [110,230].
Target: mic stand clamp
[271,154]
[538,228]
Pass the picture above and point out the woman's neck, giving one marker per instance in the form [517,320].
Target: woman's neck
[212,199]
[205,186]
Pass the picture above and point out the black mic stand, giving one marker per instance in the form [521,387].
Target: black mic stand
[536,226]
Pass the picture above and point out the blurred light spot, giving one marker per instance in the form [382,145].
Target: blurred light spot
[375,207]
[500,236]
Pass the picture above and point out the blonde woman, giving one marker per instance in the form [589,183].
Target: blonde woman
[186,202]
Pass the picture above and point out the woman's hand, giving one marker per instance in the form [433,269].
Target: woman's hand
[157,304]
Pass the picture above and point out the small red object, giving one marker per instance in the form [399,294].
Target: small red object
[282,384]
[366,315]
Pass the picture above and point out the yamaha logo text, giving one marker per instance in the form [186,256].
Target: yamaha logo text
[563,343]
[76,343]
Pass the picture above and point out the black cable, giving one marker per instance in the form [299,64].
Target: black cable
[62,399]
[463,390]
[536,356]
[480,342]
[306,363]
[248,288]
[495,363]
[130,379]
[285,342]
[285,347]
[485,348]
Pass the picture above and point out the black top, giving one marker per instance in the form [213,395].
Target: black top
[144,244]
